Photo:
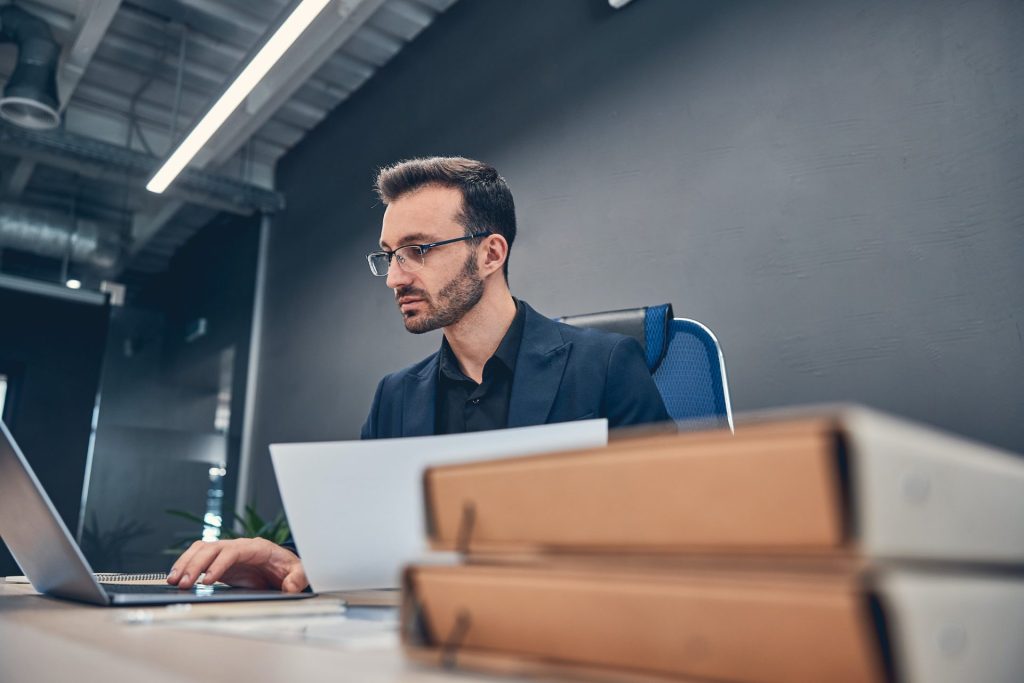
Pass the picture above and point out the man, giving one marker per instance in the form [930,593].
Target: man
[445,242]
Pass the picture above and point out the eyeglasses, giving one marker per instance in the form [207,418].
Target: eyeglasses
[410,257]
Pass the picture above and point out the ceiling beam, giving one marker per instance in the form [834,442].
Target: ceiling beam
[227,14]
[15,183]
[93,119]
[54,290]
[95,159]
[90,26]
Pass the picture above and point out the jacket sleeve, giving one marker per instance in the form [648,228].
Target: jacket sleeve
[630,395]
[370,428]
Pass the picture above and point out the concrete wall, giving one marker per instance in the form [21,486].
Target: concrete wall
[836,188]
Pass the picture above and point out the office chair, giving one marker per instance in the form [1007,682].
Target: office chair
[683,356]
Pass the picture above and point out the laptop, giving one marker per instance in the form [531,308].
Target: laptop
[53,562]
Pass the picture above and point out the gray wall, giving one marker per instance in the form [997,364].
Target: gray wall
[836,188]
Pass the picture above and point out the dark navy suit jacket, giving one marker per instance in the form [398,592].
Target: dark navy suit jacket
[562,373]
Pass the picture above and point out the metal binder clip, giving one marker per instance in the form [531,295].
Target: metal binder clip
[466,524]
[449,648]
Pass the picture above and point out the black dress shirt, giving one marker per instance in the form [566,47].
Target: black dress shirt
[465,406]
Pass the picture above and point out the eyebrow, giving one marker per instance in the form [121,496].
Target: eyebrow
[414,238]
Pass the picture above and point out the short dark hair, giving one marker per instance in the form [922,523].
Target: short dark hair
[486,199]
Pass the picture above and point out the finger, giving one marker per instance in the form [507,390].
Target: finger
[296,580]
[224,561]
[176,569]
[198,564]
[251,550]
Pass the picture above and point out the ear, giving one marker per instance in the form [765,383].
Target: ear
[492,257]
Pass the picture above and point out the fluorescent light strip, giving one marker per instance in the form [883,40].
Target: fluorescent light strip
[289,31]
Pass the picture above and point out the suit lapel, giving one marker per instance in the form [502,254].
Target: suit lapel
[418,401]
[539,367]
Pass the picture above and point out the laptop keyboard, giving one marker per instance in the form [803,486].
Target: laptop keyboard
[199,589]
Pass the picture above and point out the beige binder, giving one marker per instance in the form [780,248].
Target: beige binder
[906,625]
[762,628]
[843,482]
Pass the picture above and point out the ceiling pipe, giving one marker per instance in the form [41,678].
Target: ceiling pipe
[30,96]
[112,163]
[56,234]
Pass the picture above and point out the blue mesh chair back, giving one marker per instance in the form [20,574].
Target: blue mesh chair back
[691,376]
[684,358]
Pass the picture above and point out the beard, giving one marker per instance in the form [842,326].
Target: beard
[453,301]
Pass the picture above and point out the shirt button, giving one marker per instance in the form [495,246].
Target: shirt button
[475,401]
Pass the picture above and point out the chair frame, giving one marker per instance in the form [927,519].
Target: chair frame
[706,332]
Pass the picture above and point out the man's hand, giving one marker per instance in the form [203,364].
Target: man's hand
[245,562]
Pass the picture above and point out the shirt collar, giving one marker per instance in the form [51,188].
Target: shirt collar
[506,353]
[508,350]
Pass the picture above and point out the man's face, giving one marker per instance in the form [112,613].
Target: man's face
[449,284]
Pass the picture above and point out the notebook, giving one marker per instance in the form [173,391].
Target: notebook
[54,564]
[155,578]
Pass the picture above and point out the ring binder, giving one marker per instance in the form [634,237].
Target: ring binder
[834,544]
[466,523]
[450,647]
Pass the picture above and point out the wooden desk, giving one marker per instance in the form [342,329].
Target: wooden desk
[42,639]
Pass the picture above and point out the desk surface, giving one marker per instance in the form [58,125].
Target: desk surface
[42,639]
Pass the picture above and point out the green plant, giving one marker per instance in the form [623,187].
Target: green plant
[250,525]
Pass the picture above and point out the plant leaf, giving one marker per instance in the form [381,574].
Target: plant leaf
[187,515]
[253,522]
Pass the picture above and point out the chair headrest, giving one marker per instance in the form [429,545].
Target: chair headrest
[649,325]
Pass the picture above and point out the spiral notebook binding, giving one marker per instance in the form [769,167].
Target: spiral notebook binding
[109,577]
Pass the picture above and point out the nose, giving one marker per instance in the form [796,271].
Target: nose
[396,276]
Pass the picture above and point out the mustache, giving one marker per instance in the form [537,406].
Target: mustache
[409,291]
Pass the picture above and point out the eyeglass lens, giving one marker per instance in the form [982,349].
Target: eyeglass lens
[409,258]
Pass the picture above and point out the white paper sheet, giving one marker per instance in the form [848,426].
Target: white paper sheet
[356,507]
[337,632]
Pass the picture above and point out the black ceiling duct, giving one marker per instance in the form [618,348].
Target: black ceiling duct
[30,97]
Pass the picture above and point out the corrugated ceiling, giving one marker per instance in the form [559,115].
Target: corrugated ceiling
[152,67]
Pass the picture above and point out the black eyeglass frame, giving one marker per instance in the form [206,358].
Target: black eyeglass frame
[422,250]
